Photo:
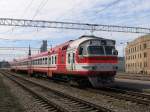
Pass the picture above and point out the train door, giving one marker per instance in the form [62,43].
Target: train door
[71,60]
[61,66]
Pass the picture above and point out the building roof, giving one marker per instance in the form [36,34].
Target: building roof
[139,40]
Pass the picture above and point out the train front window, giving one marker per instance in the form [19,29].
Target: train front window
[95,50]
[109,50]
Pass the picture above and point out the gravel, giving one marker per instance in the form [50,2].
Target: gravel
[26,99]
[102,100]
[8,103]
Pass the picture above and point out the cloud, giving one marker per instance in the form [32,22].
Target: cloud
[118,12]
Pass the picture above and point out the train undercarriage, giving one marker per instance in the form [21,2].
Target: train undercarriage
[95,81]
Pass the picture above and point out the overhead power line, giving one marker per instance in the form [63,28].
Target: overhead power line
[42,4]
[23,14]
[14,40]
[71,25]
[19,48]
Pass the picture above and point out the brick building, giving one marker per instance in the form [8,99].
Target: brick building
[137,55]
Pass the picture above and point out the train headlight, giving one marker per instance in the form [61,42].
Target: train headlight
[90,67]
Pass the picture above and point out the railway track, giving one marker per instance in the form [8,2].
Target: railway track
[122,94]
[142,78]
[135,97]
[55,100]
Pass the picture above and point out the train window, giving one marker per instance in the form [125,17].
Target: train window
[73,57]
[69,58]
[50,60]
[45,60]
[80,51]
[109,50]
[55,59]
[103,42]
[41,61]
[38,61]
[96,50]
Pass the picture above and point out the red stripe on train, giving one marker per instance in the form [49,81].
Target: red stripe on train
[97,59]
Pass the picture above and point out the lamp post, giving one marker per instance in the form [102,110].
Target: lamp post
[123,54]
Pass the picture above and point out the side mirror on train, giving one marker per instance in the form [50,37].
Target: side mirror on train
[115,52]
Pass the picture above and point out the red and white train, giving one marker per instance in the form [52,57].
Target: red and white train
[88,59]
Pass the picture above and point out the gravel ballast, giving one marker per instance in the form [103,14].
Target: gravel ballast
[8,102]
[102,100]
[28,102]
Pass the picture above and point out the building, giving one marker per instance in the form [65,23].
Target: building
[137,55]
[121,64]
[43,46]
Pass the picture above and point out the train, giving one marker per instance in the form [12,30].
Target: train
[86,60]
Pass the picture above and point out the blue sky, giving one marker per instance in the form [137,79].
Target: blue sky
[114,12]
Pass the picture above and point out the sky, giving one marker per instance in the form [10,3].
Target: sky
[109,12]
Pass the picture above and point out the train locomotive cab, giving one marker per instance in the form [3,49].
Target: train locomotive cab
[97,57]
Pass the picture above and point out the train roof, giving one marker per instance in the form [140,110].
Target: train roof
[72,43]
[83,38]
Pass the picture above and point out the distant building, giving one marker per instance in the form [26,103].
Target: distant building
[4,64]
[137,55]
[43,46]
[121,64]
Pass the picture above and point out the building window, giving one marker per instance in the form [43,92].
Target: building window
[144,46]
[141,64]
[145,64]
[140,55]
[145,54]
[135,65]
